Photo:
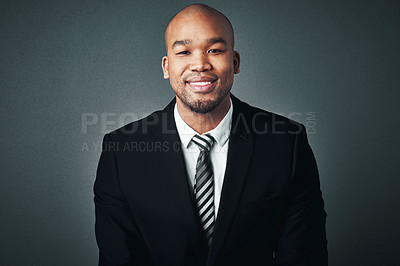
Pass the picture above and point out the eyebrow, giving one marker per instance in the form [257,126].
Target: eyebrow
[213,40]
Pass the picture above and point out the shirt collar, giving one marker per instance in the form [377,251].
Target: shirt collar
[220,133]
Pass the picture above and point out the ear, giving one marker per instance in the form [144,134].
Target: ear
[164,65]
[236,62]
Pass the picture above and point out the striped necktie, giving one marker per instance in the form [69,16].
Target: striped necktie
[204,185]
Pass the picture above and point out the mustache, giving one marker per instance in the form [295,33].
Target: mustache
[192,75]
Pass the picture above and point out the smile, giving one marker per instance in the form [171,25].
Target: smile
[201,86]
[200,83]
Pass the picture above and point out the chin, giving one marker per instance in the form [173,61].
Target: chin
[203,106]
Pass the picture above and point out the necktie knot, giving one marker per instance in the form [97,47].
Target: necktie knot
[204,142]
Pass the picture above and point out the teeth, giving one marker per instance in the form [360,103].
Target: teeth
[200,83]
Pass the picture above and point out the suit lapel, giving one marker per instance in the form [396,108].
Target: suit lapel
[239,155]
[174,167]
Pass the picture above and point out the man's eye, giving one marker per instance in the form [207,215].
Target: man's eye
[214,51]
[183,53]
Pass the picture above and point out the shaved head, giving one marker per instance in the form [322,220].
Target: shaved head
[194,10]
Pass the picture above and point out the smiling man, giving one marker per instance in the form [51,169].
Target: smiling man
[216,181]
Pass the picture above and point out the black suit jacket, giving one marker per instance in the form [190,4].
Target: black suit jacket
[271,210]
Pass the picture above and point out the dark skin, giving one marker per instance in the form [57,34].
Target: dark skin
[200,49]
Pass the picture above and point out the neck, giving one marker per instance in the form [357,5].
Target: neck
[202,123]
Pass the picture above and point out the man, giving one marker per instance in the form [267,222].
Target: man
[209,180]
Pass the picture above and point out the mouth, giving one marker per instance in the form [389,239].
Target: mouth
[201,84]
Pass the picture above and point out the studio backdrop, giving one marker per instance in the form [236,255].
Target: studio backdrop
[71,71]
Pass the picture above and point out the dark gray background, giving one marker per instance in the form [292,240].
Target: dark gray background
[333,65]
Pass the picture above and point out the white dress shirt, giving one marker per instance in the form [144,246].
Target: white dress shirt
[218,152]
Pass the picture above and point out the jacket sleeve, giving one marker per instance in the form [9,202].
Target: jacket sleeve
[117,234]
[302,241]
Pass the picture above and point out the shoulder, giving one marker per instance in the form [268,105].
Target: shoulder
[261,121]
[146,128]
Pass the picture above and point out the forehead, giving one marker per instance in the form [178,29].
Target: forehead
[197,28]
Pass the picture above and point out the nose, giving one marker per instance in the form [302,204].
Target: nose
[200,63]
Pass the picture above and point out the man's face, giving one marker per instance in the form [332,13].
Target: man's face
[200,61]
